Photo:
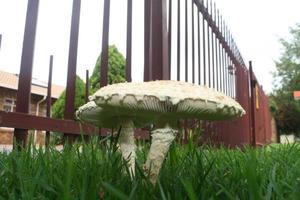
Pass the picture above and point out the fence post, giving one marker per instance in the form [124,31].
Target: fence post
[87,86]
[24,85]
[105,40]
[48,112]
[129,41]
[252,90]
[147,8]
[158,41]
[72,62]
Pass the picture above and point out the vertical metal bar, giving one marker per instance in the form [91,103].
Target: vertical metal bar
[231,44]
[87,93]
[208,49]
[72,62]
[170,36]
[230,78]
[147,4]
[228,38]
[230,73]
[166,70]
[222,57]
[220,61]
[204,50]
[220,66]
[129,40]
[263,99]
[212,49]
[213,60]
[24,85]
[186,41]
[49,95]
[234,82]
[252,92]
[193,44]
[233,47]
[224,31]
[104,53]
[217,64]
[199,49]
[226,61]
[165,43]
[216,48]
[159,55]
[178,40]
[87,86]
[224,71]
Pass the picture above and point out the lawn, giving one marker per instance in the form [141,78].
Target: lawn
[96,171]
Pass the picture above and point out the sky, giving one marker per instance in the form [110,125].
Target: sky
[256,25]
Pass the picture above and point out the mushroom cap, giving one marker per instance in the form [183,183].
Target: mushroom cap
[165,99]
[105,118]
[93,114]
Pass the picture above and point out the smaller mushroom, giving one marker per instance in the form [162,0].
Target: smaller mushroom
[164,103]
[107,118]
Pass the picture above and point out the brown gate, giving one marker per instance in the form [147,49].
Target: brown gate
[188,38]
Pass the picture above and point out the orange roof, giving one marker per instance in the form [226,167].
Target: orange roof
[10,81]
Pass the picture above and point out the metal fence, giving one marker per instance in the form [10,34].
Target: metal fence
[183,40]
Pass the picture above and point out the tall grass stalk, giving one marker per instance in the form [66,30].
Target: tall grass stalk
[96,170]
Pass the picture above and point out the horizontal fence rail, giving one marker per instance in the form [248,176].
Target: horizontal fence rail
[32,122]
[183,40]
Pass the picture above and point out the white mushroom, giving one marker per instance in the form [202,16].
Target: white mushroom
[163,103]
[100,117]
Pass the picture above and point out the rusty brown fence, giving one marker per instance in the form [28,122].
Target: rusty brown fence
[183,40]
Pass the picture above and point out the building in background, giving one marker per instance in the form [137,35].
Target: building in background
[8,95]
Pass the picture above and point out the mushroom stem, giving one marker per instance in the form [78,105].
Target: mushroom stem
[162,138]
[127,145]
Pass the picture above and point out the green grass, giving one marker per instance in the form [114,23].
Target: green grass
[97,171]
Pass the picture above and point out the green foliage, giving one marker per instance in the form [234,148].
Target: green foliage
[97,171]
[59,105]
[116,74]
[116,69]
[287,79]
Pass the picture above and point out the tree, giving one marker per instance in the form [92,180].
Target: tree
[116,69]
[287,79]
[116,74]
[59,106]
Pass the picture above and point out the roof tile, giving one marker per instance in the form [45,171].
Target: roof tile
[10,81]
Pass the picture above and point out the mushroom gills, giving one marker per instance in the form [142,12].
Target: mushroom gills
[162,138]
[127,144]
